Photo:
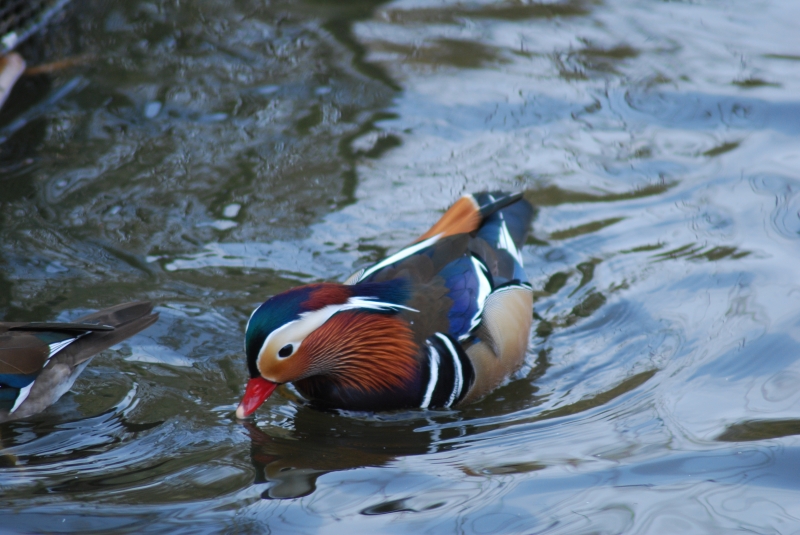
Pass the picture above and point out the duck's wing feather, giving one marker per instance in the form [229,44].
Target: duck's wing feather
[469,213]
[126,319]
[40,361]
[463,217]
[23,354]
[513,210]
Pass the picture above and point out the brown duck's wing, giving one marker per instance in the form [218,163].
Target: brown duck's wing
[119,315]
[422,266]
[22,353]
[55,375]
[126,319]
[27,346]
[449,285]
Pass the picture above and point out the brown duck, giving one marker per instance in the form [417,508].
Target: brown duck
[39,362]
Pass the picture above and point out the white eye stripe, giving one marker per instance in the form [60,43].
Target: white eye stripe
[273,334]
[308,322]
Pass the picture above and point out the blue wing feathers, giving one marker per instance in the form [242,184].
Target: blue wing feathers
[463,283]
[464,296]
[16,380]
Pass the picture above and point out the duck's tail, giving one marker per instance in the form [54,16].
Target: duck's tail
[126,319]
[485,212]
[504,215]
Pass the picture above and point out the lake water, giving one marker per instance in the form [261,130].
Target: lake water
[209,154]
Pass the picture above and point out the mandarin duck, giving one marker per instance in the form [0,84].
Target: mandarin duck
[439,324]
[39,362]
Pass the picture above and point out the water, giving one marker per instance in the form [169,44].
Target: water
[209,154]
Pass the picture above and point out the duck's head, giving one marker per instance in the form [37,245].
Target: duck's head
[274,335]
[313,330]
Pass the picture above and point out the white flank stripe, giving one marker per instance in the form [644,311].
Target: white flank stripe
[433,364]
[458,380]
[399,255]
[23,395]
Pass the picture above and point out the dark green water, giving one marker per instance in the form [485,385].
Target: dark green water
[208,154]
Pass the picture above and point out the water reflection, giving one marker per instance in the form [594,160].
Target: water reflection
[51,443]
[510,11]
[293,462]
[319,442]
[699,110]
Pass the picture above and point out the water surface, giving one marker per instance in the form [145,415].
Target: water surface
[206,155]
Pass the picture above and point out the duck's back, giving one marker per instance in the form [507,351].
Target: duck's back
[468,283]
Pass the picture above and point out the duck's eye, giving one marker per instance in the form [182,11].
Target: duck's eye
[286,351]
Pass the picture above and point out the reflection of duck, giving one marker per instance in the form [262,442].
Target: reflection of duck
[39,362]
[438,324]
[331,443]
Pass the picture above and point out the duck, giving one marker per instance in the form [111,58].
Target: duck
[437,325]
[40,361]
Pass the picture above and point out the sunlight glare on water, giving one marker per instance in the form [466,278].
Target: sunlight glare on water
[208,155]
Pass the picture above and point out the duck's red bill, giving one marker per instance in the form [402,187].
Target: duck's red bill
[257,391]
